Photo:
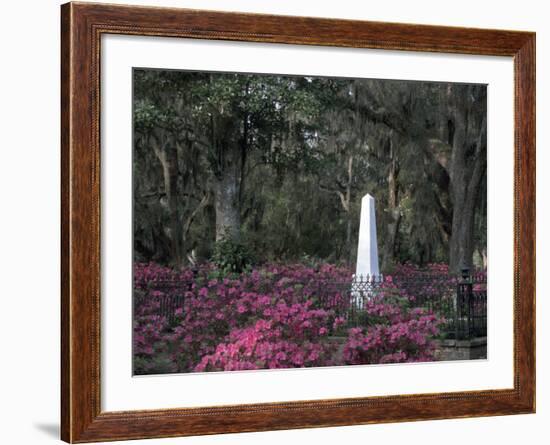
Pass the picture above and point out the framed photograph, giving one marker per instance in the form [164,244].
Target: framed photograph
[275,222]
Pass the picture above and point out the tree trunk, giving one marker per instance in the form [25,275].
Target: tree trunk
[168,157]
[227,158]
[226,195]
[465,180]
[388,258]
[463,194]
[462,238]
[347,208]
[170,170]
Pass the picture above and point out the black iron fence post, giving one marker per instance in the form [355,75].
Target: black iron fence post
[464,304]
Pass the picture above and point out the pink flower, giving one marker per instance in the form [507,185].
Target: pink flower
[276,316]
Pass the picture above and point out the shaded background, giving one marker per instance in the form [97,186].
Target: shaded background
[280,164]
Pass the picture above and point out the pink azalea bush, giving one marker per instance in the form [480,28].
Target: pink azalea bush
[292,336]
[398,335]
[276,316]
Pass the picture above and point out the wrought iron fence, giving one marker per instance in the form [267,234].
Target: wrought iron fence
[471,313]
[461,301]
[168,296]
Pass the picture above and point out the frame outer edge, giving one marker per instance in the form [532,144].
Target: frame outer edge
[525,106]
[82,419]
[80,237]
[66,79]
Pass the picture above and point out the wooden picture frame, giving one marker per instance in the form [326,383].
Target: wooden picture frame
[82,26]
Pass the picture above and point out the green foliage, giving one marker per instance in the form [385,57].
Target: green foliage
[289,142]
[231,256]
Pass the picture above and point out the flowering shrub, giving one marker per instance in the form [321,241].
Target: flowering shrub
[277,316]
[294,336]
[396,333]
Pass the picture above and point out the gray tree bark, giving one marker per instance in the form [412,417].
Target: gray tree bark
[228,164]
[226,195]
[465,180]
[166,152]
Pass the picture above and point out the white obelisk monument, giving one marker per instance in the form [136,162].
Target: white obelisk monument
[367,253]
[367,247]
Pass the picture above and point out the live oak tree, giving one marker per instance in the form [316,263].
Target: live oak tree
[171,192]
[467,135]
[240,117]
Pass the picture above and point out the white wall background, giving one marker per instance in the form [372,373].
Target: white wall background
[29,219]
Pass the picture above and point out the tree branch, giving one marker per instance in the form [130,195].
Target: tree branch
[200,206]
